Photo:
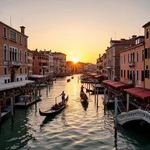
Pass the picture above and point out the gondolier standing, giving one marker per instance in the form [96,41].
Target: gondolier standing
[63,96]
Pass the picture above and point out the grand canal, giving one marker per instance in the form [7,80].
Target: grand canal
[75,128]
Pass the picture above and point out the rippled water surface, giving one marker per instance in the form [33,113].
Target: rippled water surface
[75,128]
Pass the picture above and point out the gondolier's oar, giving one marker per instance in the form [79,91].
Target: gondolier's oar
[56,99]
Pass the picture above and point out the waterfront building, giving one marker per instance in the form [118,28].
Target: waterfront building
[59,61]
[101,65]
[50,61]
[40,63]
[113,56]
[30,62]
[14,51]
[132,64]
[147,55]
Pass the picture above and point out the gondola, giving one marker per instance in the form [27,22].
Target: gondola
[83,96]
[53,111]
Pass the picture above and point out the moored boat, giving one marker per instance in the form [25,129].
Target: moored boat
[55,110]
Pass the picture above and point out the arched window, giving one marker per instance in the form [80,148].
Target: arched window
[5,52]
[25,56]
[20,55]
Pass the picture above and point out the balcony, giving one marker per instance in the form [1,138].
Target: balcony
[109,67]
[14,63]
[131,64]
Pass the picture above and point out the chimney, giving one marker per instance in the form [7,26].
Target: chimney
[22,29]
[134,36]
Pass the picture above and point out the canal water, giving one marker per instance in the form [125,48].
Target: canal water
[75,128]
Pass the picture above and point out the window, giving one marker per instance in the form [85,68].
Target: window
[20,55]
[13,36]
[142,55]
[8,80]
[25,70]
[146,53]
[142,77]
[5,71]
[146,72]
[20,39]
[5,52]
[25,57]
[137,75]
[20,70]
[25,41]
[147,33]
[5,32]
[5,81]
[40,70]
[17,79]
[20,79]
[124,73]
[137,56]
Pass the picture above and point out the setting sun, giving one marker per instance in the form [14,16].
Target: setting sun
[75,60]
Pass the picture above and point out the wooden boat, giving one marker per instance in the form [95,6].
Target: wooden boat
[54,111]
[83,96]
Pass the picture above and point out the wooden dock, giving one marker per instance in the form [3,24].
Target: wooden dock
[28,103]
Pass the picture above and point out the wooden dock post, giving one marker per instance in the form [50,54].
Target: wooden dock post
[128,96]
[0,113]
[105,95]
[12,109]
[95,91]
[116,111]
[97,97]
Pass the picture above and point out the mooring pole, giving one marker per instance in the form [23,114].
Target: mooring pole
[0,113]
[116,111]
[12,109]
[128,96]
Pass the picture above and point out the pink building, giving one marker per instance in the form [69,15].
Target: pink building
[132,64]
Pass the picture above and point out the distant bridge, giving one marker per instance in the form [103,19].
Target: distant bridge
[137,114]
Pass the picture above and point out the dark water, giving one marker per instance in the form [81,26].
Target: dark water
[76,128]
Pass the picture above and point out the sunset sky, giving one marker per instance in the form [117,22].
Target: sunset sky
[79,28]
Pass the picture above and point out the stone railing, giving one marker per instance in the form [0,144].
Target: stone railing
[137,114]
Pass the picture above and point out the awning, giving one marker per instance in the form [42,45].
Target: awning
[106,81]
[138,92]
[114,83]
[99,76]
[14,85]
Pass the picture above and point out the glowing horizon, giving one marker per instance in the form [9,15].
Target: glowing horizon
[80,27]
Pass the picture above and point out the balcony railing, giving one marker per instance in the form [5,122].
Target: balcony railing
[109,67]
[14,63]
[131,64]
